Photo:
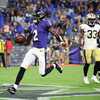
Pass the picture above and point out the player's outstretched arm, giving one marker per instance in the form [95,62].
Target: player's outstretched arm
[58,33]
[81,38]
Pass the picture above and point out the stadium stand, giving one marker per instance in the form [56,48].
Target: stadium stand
[3,3]
[21,12]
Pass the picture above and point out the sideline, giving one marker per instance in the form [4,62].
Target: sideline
[71,65]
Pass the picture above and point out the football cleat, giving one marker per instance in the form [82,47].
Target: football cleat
[86,81]
[95,79]
[59,69]
[11,90]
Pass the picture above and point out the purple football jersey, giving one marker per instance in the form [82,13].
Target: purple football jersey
[40,33]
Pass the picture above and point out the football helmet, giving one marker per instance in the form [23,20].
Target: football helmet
[37,16]
[91,19]
[41,14]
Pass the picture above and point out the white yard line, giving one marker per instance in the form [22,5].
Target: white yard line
[45,85]
[1,92]
[53,92]
[12,99]
[97,89]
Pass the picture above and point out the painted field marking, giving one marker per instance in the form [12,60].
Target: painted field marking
[97,89]
[65,96]
[53,92]
[1,92]
[45,85]
[12,99]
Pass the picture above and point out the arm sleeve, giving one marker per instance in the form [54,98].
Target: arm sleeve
[59,38]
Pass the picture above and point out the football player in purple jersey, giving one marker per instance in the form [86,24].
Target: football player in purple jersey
[38,35]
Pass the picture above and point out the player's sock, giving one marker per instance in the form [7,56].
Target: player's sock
[85,69]
[15,86]
[96,68]
[54,65]
[20,75]
[48,70]
[99,75]
[58,67]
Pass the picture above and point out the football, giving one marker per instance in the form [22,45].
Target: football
[20,39]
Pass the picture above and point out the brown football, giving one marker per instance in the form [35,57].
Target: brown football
[20,39]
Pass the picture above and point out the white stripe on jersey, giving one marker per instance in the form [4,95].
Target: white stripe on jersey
[49,21]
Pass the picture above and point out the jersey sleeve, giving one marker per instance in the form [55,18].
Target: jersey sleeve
[49,23]
[98,27]
[81,27]
[30,28]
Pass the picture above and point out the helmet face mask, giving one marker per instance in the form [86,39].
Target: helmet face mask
[40,14]
[37,17]
[91,19]
[91,22]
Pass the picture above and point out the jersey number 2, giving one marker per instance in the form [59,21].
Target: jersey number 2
[35,37]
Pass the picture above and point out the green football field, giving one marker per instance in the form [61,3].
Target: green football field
[66,86]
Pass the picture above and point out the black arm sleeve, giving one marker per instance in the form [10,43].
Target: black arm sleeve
[98,42]
[59,38]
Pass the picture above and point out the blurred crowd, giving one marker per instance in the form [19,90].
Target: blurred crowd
[19,14]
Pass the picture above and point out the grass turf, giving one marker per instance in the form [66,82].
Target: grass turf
[70,80]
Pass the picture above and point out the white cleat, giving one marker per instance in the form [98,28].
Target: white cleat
[95,79]
[86,81]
